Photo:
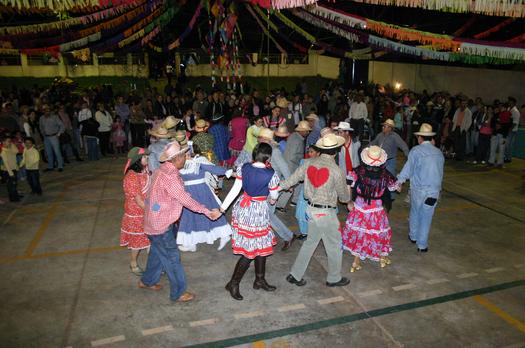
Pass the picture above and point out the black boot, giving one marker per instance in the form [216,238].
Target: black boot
[233,285]
[260,271]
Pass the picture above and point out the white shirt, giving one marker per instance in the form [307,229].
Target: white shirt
[105,120]
[515,118]
[358,111]
[84,114]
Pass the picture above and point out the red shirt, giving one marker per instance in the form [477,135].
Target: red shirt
[165,199]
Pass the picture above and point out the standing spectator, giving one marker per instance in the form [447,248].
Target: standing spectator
[460,124]
[358,114]
[221,136]
[274,120]
[51,128]
[200,104]
[513,129]
[137,126]
[501,124]
[31,161]
[424,169]
[159,108]
[215,108]
[118,136]
[484,121]
[238,127]
[90,135]
[104,129]
[123,111]
[9,168]
[66,139]
[8,119]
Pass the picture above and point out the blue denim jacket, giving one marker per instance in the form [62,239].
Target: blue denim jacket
[424,168]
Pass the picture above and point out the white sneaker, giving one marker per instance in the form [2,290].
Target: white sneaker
[224,241]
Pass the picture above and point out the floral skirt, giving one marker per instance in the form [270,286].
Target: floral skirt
[367,232]
[132,233]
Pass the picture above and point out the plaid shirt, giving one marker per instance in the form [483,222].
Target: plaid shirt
[165,199]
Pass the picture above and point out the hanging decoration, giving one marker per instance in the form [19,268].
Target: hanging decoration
[494,29]
[265,31]
[504,8]
[61,5]
[83,54]
[188,29]
[282,4]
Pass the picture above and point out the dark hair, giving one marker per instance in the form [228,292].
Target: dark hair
[136,167]
[427,137]
[31,140]
[196,149]
[262,153]
[330,152]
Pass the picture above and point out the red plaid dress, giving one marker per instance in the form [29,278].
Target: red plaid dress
[132,228]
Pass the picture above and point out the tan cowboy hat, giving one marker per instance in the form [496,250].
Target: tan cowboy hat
[170,122]
[303,126]
[265,133]
[312,116]
[425,130]
[180,136]
[171,150]
[282,102]
[330,141]
[161,133]
[282,132]
[373,156]
[200,125]
[390,123]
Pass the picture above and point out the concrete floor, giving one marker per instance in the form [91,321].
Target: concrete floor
[67,283]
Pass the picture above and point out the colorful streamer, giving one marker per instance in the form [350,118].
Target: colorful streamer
[188,29]
[265,31]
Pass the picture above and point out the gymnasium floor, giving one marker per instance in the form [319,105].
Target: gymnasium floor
[66,282]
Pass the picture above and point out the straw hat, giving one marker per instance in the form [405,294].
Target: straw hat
[170,122]
[200,125]
[282,132]
[373,156]
[266,133]
[425,130]
[390,123]
[330,141]
[161,133]
[134,155]
[282,102]
[180,136]
[303,126]
[344,126]
[312,116]
[171,150]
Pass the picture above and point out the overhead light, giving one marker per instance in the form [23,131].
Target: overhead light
[397,86]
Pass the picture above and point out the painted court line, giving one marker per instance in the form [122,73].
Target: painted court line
[203,322]
[437,281]
[331,300]
[104,341]
[248,315]
[157,330]
[370,293]
[500,313]
[403,287]
[291,307]
[466,275]
[494,269]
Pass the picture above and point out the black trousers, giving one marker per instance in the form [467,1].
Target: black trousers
[104,142]
[482,152]
[33,179]
[138,134]
[11,185]
[459,139]
[358,126]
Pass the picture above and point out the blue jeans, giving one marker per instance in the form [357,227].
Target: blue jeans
[278,226]
[164,256]
[92,148]
[52,147]
[511,138]
[421,213]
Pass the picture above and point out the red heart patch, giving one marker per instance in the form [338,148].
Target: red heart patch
[317,177]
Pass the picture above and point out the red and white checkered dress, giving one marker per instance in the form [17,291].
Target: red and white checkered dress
[132,228]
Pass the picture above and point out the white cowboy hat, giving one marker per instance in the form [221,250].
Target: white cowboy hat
[282,132]
[170,122]
[389,122]
[161,133]
[373,156]
[171,150]
[303,126]
[425,130]
[344,126]
[330,141]
[266,133]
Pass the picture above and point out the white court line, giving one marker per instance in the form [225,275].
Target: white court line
[403,287]
[494,270]
[203,322]
[325,301]
[248,315]
[466,275]
[108,340]
[291,307]
[370,293]
[157,330]
[437,281]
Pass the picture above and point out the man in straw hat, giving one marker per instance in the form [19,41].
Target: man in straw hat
[163,207]
[424,169]
[348,156]
[161,137]
[170,123]
[390,141]
[324,185]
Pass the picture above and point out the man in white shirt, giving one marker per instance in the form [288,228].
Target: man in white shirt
[513,130]
[460,125]
[358,114]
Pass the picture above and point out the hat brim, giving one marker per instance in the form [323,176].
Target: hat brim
[425,134]
[340,142]
[161,136]
[300,129]
[163,157]
[371,162]
[344,129]
[282,135]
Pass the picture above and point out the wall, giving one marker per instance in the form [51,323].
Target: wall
[488,84]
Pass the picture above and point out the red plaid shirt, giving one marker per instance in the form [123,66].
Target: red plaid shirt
[165,199]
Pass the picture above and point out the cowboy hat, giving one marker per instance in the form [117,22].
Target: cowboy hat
[200,125]
[282,132]
[170,122]
[303,126]
[172,150]
[265,133]
[373,156]
[161,133]
[312,116]
[134,155]
[390,123]
[344,126]
[425,130]
[180,136]
[282,102]
[330,141]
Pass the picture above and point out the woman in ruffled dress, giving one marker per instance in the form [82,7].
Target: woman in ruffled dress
[136,182]
[252,236]
[367,232]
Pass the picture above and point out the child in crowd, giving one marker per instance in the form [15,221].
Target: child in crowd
[9,167]
[117,135]
[31,161]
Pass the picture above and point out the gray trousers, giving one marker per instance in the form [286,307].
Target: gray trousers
[279,227]
[322,225]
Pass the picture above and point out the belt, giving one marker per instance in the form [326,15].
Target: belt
[321,206]
[51,135]
[247,199]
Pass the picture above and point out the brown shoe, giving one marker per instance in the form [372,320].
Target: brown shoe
[155,287]
[186,297]
[288,244]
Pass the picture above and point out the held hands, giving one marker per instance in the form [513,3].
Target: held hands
[272,201]
[350,205]
[214,214]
